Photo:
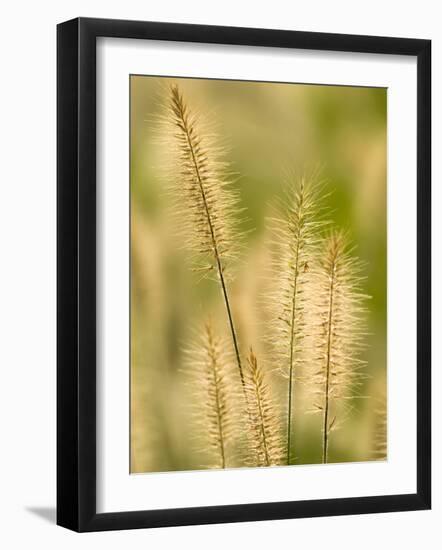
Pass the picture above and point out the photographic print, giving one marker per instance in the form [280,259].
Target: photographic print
[222,251]
[258,274]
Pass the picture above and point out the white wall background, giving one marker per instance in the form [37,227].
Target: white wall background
[27,272]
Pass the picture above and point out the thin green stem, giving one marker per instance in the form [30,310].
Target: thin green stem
[292,333]
[217,384]
[292,356]
[327,366]
[261,417]
[214,246]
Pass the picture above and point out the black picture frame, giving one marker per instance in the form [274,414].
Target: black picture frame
[77,288]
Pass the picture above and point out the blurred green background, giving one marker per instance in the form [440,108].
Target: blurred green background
[270,129]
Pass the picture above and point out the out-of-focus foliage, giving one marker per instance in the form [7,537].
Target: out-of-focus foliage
[270,131]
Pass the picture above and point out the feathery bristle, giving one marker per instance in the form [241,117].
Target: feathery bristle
[265,430]
[204,199]
[213,396]
[339,335]
[296,239]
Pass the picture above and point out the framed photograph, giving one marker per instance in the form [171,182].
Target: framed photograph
[243,274]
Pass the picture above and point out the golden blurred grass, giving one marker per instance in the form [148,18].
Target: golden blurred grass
[270,129]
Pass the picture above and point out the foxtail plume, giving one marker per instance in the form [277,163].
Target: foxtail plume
[264,424]
[207,205]
[212,392]
[339,335]
[296,238]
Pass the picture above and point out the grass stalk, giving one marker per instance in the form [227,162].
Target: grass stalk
[214,203]
[296,238]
